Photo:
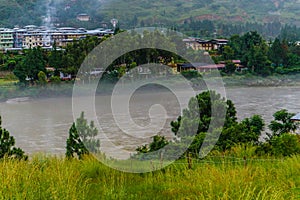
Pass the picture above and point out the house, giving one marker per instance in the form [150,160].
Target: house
[83,17]
[200,67]
[205,45]
[296,118]
[218,43]
[192,43]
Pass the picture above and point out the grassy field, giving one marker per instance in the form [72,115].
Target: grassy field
[45,177]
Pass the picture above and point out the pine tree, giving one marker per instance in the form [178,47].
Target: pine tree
[7,143]
[82,138]
[75,144]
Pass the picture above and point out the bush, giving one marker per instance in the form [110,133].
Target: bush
[55,79]
[283,145]
[189,74]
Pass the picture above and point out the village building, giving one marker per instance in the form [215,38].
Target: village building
[205,45]
[83,17]
[32,36]
[6,38]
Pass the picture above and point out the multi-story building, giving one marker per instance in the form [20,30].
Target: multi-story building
[6,38]
[205,45]
[32,36]
[18,37]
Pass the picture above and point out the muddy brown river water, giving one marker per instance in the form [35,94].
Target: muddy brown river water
[41,125]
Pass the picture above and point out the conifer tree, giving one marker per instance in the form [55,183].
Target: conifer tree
[82,138]
[7,143]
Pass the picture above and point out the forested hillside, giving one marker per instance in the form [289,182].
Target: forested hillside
[183,15]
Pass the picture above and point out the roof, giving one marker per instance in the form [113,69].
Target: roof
[296,117]
[201,65]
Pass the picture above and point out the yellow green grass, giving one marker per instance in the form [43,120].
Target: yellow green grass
[44,177]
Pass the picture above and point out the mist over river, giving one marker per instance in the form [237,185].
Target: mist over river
[41,125]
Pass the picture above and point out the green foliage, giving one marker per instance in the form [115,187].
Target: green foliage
[55,59]
[229,67]
[158,143]
[198,113]
[278,52]
[228,53]
[82,139]
[247,131]
[285,144]
[42,78]
[75,145]
[55,79]
[282,123]
[7,143]
[252,49]
[31,65]
[189,74]
[87,133]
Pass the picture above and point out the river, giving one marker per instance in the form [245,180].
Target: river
[41,125]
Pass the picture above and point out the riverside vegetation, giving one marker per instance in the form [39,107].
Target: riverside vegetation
[239,167]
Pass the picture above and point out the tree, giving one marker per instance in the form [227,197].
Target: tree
[252,50]
[81,139]
[7,143]
[55,59]
[247,131]
[87,133]
[31,65]
[229,67]
[75,144]
[282,123]
[228,53]
[277,52]
[257,60]
[199,111]
[193,125]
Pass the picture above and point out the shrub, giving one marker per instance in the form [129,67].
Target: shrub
[285,144]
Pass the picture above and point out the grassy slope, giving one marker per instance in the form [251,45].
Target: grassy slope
[56,178]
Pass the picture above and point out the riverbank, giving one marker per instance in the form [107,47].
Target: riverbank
[65,89]
[249,80]
[45,177]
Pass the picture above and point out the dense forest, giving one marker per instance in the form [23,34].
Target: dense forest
[195,17]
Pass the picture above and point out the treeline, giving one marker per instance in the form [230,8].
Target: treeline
[259,56]
[210,29]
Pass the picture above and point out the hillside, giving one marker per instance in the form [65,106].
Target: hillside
[133,13]
[178,11]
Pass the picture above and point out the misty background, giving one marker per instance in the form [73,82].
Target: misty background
[208,18]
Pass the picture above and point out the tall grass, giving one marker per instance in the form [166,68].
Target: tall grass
[45,177]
